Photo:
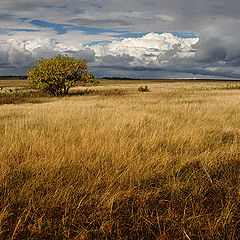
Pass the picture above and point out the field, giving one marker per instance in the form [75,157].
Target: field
[12,82]
[110,162]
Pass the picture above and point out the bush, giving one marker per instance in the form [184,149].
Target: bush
[93,80]
[56,75]
[143,89]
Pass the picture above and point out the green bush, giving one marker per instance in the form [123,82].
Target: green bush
[57,74]
[93,80]
[143,89]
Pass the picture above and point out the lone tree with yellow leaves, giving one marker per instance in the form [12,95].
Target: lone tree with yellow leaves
[57,74]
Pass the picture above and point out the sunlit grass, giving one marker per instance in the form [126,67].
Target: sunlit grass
[163,164]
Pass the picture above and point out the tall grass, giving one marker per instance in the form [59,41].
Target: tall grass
[165,165]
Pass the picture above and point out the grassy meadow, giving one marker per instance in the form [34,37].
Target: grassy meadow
[109,162]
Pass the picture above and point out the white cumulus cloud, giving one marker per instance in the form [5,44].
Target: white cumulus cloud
[19,55]
[152,48]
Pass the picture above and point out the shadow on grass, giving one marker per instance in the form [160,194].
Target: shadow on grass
[104,92]
[34,96]
[23,97]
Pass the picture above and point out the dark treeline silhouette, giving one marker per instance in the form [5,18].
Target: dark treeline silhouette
[173,79]
[3,77]
[120,78]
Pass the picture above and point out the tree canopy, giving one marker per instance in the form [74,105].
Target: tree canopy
[57,74]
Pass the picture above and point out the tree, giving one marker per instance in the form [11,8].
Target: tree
[57,74]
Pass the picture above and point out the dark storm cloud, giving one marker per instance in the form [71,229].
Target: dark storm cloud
[86,54]
[175,15]
[215,22]
[115,61]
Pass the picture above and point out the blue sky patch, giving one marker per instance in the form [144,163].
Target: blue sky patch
[52,6]
[59,28]
[78,11]
[62,7]
[96,5]
[139,35]
[8,30]
[24,30]
[99,42]
[185,34]
[130,35]
[49,6]
[63,28]
[24,19]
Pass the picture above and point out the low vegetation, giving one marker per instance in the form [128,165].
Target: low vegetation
[17,96]
[162,165]
[143,89]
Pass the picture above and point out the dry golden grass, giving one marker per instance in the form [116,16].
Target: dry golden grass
[13,82]
[158,165]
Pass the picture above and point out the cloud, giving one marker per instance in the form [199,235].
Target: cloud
[22,54]
[86,54]
[122,61]
[165,53]
[150,51]
[74,27]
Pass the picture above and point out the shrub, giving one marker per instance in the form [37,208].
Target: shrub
[143,89]
[231,87]
[93,80]
[57,74]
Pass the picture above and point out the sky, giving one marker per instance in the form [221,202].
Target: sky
[134,38]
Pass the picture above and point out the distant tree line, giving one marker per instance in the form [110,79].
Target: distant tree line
[25,77]
[13,77]
[120,78]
